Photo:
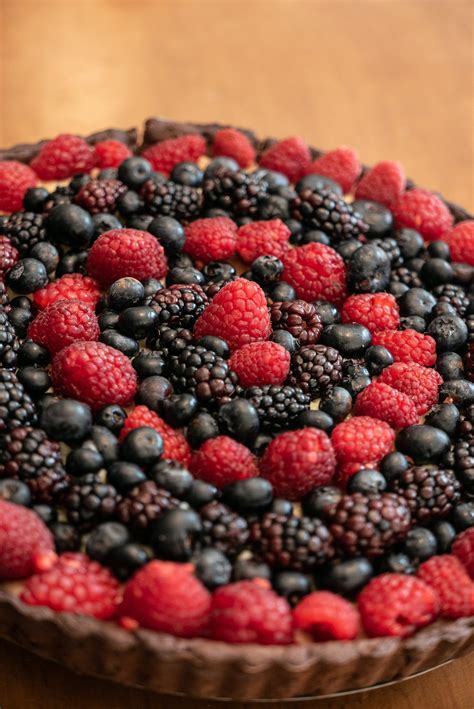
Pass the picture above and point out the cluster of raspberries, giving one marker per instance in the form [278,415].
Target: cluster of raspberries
[262,367]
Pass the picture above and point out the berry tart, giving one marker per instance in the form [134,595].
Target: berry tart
[236,413]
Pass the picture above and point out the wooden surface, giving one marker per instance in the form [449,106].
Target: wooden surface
[392,78]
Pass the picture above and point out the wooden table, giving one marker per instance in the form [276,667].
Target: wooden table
[392,78]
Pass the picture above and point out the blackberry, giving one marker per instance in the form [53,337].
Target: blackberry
[100,195]
[25,229]
[326,211]
[461,458]
[28,454]
[278,407]
[290,542]
[429,492]
[453,295]
[143,504]
[368,525]
[213,287]
[466,424]
[168,341]
[61,195]
[404,275]
[89,502]
[179,306]
[172,200]
[9,344]
[238,193]
[297,317]
[4,302]
[223,529]
[16,407]
[392,250]
[315,368]
[203,373]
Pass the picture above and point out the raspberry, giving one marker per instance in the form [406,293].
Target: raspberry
[25,541]
[449,579]
[461,242]
[75,584]
[250,612]
[100,195]
[361,442]
[341,165]
[327,616]
[234,144]
[296,461]
[94,373]
[290,157]
[395,604]
[261,363]
[211,239]
[15,179]
[221,461]
[316,272]
[463,549]
[62,157]
[8,255]
[175,446]
[424,211]
[384,183]
[62,323]
[376,311]
[262,238]
[167,597]
[126,252]
[110,153]
[419,383]
[165,155]
[383,402]
[238,314]
[407,346]
[71,286]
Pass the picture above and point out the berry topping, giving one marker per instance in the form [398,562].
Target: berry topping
[268,238]
[424,211]
[361,442]
[261,363]
[15,180]
[341,165]
[222,460]
[327,616]
[316,272]
[62,323]
[63,157]
[383,183]
[234,144]
[26,544]
[290,156]
[450,581]
[407,346]
[211,239]
[165,155]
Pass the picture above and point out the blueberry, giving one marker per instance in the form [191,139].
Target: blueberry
[20,318]
[397,288]
[316,502]
[36,381]
[46,253]
[410,242]
[151,286]
[27,276]
[66,537]
[445,535]
[261,443]
[239,419]
[66,420]
[125,476]
[442,308]
[417,301]
[138,321]
[184,275]
[219,271]
[108,320]
[212,568]
[34,199]
[248,569]
[22,302]
[420,544]
[106,443]
[174,534]
[350,339]
[449,331]
[368,270]
[285,339]
[180,261]
[463,516]
[282,291]
[463,274]
[69,224]
[248,496]
[221,162]
[72,262]
[134,172]
[415,264]
[436,271]
[187,173]
[446,417]
[46,513]
[127,345]
[202,427]
[393,465]
[129,203]
[423,443]
[15,491]
[178,409]
[346,577]
[148,363]
[355,377]
[104,538]
[377,358]
[337,402]
[169,233]
[413,322]
[152,391]
[84,460]
[460,391]
[315,237]
[367,481]
[171,476]
[267,269]
[215,344]
[439,249]
[31,353]
[104,221]
[316,419]
[111,417]
[142,446]
[378,217]
[397,563]
[127,559]
[318,182]
[328,313]
[200,493]
[125,293]
[140,221]
[292,585]
[450,365]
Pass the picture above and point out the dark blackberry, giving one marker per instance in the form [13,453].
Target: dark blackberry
[461,458]
[168,341]
[466,423]
[278,407]
[453,295]
[367,526]
[238,193]
[213,287]
[16,406]
[223,529]
[28,454]
[143,504]
[179,306]
[290,542]
[89,502]
[172,200]
[326,211]
[100,195]
[429,492]
[315,368]
[25,229]
[4,302]
[61,195]
[404,275]
[297,317]
[203,373]
[392,250]
[8,342]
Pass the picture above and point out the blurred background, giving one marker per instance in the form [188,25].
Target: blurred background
[392,78]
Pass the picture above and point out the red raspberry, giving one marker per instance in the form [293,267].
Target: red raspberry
[424,211]
[167,597]
[221,461]
[407,346]
[250,612]
[234,144]
[461,242]
[15,179]
[449,579]
[463,549]
[25,542]
[62,157]
[98,196]
[384,183]
[71,286]
[8,255]
[377,311]
[175,445]
[94,373]
[262,238]
[395,604]
[211,239]
[341,165]
[361,442]
[261,363]
[165,155]
[110,153]
[327,616]
[238,313]
[63,323]
[291,157]
[126,252]
[387,404]
[75,584]
[421,384]
[296,461]
[316,272]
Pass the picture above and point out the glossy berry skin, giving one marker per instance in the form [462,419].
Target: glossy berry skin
[393,465]
[142,446]
[174,534]
[316,419]
[126,559]
[125,293]
[212,568]
[292,585]
[420,543]
[423,443]
[104,538]
[367,481]
[169,233]
[248,496]
[348,576]
[148,364]
[449,332]
[69,224]
[202,427]
[446,417]
[15,491]
[368,270]
[337,403]
[377,359]
[27,276]
[239,420]
[66,420]
[350,339]
[134,172]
